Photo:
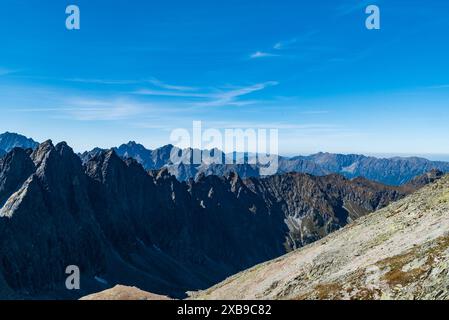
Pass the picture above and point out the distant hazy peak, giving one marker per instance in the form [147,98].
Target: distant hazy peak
[9,140]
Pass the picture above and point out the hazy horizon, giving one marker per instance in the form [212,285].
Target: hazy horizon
[432,157]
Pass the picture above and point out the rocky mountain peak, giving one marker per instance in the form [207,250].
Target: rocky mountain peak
[42,152]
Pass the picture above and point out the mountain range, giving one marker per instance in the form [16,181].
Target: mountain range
[391,171]
[124,225]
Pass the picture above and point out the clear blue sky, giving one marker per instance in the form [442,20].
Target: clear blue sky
[138,69]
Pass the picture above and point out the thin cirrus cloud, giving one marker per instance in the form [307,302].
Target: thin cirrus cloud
[167,86]
[102,110]
[79,106]
[293,42]
[261,54]
[216,97]
[86,109]
[102,81]
[155,82]
[285,44]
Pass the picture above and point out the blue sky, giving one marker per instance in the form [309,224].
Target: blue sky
[138,69]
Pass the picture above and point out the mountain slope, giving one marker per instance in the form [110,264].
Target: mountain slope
[399,252]
[9,141]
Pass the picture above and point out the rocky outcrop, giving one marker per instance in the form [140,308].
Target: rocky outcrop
[399,252]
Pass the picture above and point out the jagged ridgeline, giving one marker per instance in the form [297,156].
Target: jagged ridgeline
[391,171]
[124,225]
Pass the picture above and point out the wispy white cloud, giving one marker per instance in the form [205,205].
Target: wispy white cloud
[261,54]
[230,97]
[285,44]
[103,110]
[92,109]
[167,86]
[170,93]
[101,81]
[217,97]
[293,42]
[153,81]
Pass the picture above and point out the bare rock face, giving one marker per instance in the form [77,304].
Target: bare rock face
[122,225]
[15,168]
[313,206]
[48,223]
[399,252]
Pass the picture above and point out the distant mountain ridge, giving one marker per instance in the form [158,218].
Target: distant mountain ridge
[125,225]
[9,141]
[391,171]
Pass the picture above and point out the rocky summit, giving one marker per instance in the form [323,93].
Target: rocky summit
[123,225]
[399,252]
